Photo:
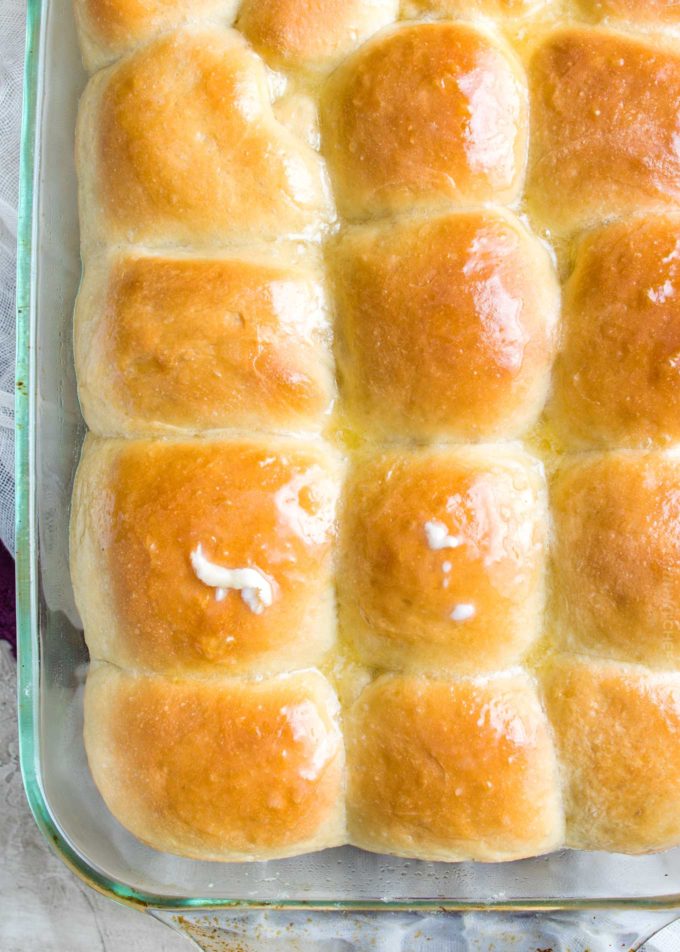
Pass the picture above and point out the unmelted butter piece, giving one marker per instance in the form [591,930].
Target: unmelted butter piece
[438,536]
[413,594]
[256,589]
[172,497]
[308,726]
[463,612]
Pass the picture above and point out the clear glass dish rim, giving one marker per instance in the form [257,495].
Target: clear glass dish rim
[27,611]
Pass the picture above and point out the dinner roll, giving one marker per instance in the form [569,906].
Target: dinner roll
[443,558]
[604,128]
[618,377]
[205,556]
[177,144]
[452,770]
[617,556]
[311,34]
[422,115]
[218,769]
[656,13]
[109,28]
[446,325]
[617,730]
[167,342]
[465,8]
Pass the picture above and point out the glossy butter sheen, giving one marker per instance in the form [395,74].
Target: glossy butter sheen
[604,134]
[617,379]
[140,511]
[202,343]
[187,151]
[446,325]
[472,604]
[452,770]
[424,114]
[218,769]
[617,556]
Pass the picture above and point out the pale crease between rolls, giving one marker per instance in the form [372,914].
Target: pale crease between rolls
[462,8]
[204,561]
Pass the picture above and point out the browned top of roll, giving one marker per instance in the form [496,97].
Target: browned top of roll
[446,325]
[299,34]
[617,380]
[443,558]
[423,114]
[618,734]
[110,28]
[202,343]
[461,770]
[154,526]
[604,126]
[218,769]
[186,149]
[617,556]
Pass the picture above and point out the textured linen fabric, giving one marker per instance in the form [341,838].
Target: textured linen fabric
[12,14]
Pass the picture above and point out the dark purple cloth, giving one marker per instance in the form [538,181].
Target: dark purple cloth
[8,627]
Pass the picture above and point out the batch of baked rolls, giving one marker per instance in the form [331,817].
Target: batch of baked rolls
[376,533]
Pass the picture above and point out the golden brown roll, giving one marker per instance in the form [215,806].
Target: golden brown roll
[446,325]
[617,380]
[311,34]
[465,8]
[604,126]
[655,13]
[177,144]
[443,558]
[109,28]
[617,556]
[205,556]
[218,769]
[423,115]
[202,343]
[452,770]
[617,729]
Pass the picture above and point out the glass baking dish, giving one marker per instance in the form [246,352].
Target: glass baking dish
[53,659]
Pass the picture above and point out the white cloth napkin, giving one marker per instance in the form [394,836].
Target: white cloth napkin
[12,13]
